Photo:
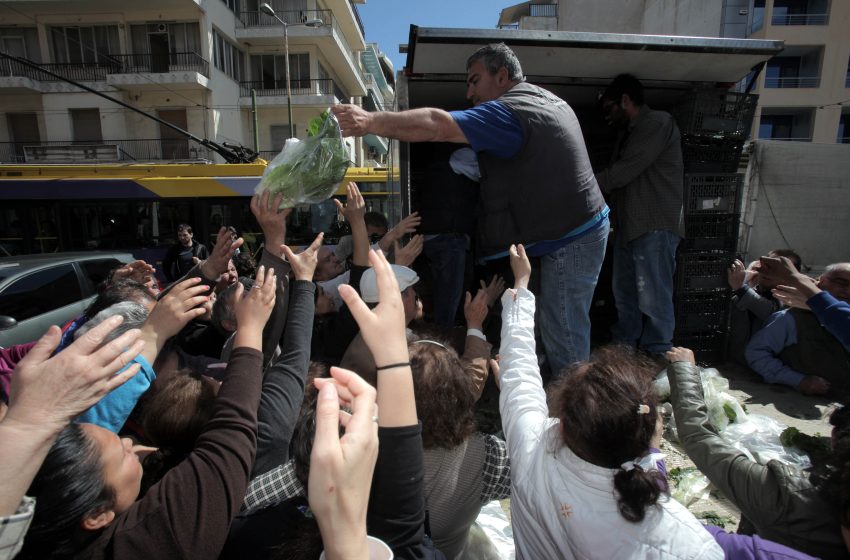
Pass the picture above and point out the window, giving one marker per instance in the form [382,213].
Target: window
[234,6]
[227,57]
[41,292]
[271,71]
[96,271]
[758,16]
[147,38]
[85,124]
[844,129]
[93,44]
[279,135]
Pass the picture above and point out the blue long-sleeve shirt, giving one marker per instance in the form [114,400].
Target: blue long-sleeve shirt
[780,331]
[112,411]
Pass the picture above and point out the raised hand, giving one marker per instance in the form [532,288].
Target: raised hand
[271,217]
[680,354]
[792,297]
[179,306]
[475,310]
[405,256]
[253,310]
[736,275]
[51,391]
[221,254]
[354,208]
[304,263]
[494,289]
[520,265]
[341,468]
[405,226]
[138,271]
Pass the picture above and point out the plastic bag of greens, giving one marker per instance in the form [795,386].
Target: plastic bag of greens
[758,437]
[309,171]
[689,485]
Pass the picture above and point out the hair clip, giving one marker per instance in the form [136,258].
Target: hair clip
[643,409]
[426,341]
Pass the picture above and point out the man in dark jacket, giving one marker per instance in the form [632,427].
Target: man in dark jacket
[183,255]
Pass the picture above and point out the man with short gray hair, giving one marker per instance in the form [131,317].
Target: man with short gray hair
[537,185]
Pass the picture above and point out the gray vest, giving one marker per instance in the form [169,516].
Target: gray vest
[546,190]
[817,352]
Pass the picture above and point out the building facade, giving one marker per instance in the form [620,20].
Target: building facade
[804,92]
[192,63]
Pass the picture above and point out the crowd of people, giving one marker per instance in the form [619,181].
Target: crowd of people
[298,408]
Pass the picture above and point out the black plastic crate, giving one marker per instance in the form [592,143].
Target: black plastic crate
[711,232]
[709,346]
[707,193]
[711,155]
[698,312]
[716,113]
[703,271]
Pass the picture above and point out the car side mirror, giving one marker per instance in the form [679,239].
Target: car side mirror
[7,322]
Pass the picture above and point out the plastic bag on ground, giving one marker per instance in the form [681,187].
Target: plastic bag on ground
[309,171]
[690,487]
[758,438]
[491,536]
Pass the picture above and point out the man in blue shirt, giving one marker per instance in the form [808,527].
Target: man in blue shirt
[808,349]
[537,185]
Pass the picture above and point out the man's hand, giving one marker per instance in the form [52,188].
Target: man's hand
[736,275]
[218,260]
[304,263]
[353,120]
[494,289]
[271,218]
[405,256]
[813,385]
[48,392]
[520,265]
[354,208]
[779,270]
[475,310]
[679,354]
[343,463]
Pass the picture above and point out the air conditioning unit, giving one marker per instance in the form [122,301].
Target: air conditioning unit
[162,27]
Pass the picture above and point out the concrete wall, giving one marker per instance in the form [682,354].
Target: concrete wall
[697,18]
[624,16]
[797,197]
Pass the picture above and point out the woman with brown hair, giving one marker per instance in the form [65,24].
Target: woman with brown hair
[585,483]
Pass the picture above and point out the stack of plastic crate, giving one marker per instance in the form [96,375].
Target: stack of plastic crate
[714,125]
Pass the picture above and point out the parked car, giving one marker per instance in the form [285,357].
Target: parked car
[37,291]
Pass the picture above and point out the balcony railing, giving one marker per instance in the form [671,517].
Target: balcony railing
[543,10]
[800,19]
[127,150]
[277,88]
[113,64]
[273,88]
[791,139]
[291,17]
[161,63]
[797,82]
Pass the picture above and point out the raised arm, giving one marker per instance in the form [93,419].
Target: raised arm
[416,125]
[354,211]
[47,393]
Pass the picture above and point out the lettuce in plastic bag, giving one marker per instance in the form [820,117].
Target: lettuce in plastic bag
[309,171]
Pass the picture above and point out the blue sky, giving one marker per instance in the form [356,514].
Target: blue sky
[387,22]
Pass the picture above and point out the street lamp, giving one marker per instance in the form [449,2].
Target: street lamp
[268,10]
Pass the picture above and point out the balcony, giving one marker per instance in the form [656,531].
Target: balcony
[787,124]
[105,151]
[799,19]
[304,92]
[139,70]
[182,70]
[260,29]
[794,82]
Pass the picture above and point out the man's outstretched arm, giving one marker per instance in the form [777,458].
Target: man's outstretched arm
[416,125]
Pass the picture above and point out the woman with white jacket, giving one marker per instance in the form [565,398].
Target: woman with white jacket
[585,484]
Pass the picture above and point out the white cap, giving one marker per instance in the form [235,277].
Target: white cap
[369,282]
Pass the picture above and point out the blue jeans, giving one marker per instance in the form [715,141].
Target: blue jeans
[567,281]
[447,255]
[643,290]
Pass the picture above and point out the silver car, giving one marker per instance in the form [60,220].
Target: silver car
[37,291]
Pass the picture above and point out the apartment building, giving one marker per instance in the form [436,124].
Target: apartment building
[804,92]
[192,63]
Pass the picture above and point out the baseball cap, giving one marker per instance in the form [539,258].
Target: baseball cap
[369,282]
